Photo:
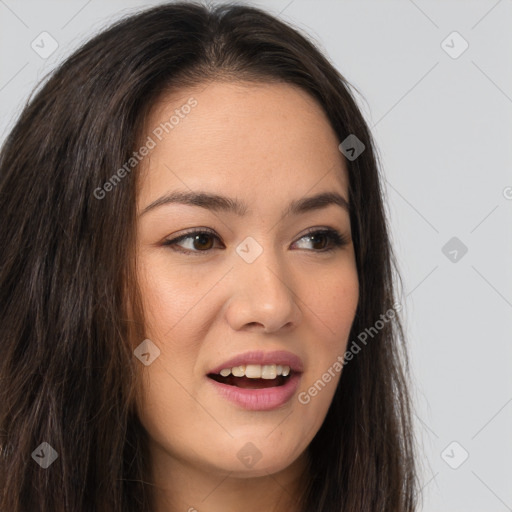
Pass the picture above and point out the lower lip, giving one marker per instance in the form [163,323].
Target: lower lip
[259,399]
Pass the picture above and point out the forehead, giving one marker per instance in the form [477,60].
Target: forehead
[254,139]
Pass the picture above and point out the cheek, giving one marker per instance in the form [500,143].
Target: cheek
[170,300]
[334,303]
[175,321]
[172,323]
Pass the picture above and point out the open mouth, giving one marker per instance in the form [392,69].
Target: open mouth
[247,383]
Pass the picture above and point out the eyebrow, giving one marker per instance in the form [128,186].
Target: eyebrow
[218,202]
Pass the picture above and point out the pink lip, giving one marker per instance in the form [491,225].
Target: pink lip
[281,357]
[259,399]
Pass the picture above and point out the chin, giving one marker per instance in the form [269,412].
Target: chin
[249,463]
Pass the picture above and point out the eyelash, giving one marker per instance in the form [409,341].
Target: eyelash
[333,235]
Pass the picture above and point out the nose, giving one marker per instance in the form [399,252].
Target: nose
[263,296]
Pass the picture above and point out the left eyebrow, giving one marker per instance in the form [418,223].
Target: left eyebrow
[218,202]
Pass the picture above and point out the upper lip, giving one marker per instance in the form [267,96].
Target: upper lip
[281,357]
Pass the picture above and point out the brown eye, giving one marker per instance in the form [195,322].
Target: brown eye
[201,241]
[325,237]
[320,237]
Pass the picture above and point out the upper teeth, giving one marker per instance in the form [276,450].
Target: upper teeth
[257,371]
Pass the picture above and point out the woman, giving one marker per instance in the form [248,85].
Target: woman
[144,371]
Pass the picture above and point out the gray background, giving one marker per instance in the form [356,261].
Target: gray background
[443,129]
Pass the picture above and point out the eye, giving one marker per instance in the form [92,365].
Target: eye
[330,236]
[199,240]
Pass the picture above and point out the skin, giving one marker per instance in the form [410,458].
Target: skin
[264,144]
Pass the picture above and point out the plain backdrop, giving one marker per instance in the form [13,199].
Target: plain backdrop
[435,84]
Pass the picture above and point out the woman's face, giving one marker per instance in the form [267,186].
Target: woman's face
[257,282]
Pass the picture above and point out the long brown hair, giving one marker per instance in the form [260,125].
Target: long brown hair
[70,309]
